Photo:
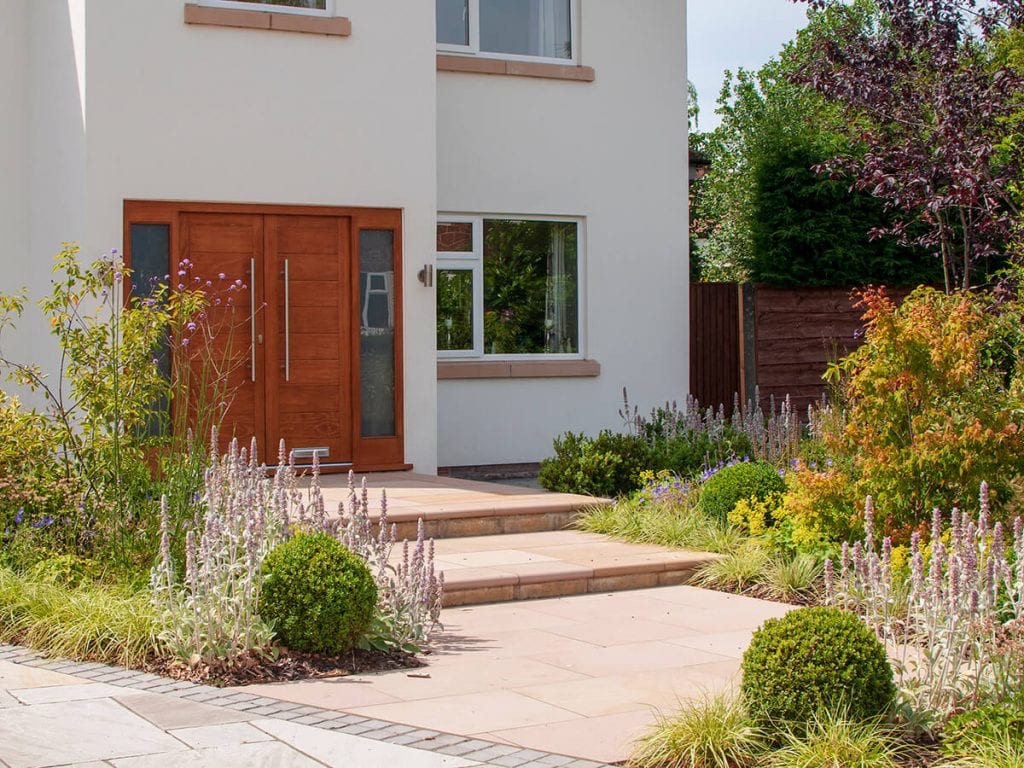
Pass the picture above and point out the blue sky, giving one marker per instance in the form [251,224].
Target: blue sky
[727,34]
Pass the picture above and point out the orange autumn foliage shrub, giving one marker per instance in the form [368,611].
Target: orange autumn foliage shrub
[931,412]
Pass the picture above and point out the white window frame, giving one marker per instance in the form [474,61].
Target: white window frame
[240,5]
[474,261]
[473,49]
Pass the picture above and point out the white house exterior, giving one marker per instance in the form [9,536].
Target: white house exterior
[550,133]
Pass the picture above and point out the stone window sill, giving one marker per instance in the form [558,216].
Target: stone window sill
[487,66]
[517,369]
[334,26]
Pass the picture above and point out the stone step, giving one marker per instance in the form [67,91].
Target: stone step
[498,568]
[455,508]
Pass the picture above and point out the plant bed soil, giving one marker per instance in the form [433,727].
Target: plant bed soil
[286,665]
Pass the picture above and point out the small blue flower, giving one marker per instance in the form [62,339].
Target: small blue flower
[19,516]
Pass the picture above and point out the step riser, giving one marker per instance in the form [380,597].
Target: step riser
[486,525]
[565,587]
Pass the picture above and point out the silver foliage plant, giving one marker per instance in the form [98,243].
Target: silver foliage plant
[775,435]
[210,613]
[954,624]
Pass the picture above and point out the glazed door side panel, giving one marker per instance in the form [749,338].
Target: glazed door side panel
[224,357]
[308,386]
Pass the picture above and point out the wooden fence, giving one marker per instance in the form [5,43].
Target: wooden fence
[777,340]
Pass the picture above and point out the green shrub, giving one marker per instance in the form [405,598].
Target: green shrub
[607,465]
[66,570]
[691,451]
[812,659]
[991,724]
[734,482]
[319,596]
[713,731]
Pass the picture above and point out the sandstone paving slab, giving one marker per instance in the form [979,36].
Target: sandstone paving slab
[79,731]
[603,739]
[171,712]
[55,693]
[654,691]
[602,634]
[732,644]
[203,736]
[538,541]
[509,644]
[470,713]
[470,676]
[345,751]
[338,693]
[6,700]
[497,618]
[19,676]
[629,658]
[492,557]
[271,754]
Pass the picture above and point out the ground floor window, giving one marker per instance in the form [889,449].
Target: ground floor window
[507,286]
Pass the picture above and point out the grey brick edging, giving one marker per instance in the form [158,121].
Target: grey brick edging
[477,750]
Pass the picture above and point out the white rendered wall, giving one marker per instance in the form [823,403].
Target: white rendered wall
[190,112]
[14,148]
[613,152]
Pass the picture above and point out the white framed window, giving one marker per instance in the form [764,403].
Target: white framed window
[303,7]
[508,287]
[531,30]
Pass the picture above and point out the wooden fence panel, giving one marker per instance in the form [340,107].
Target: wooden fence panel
[715,343]
[799,332]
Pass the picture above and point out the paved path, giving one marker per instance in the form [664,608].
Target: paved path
[105,717]
[581,675]
[561,682]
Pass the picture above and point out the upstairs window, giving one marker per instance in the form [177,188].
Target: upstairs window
[532,29]
[310,7]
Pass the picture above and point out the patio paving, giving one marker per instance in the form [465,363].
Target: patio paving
[452,507]
[577,675]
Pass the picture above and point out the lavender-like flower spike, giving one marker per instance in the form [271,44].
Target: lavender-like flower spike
[869,524]
[983,499]
[916,563]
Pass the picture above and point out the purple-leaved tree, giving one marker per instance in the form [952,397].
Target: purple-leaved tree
[924,93]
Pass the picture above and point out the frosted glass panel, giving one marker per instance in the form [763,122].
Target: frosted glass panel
[377,332]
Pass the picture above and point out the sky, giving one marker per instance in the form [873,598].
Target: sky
[728,34]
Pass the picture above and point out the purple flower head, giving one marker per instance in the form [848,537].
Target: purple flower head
[191,327]
[221,275]
[20,515]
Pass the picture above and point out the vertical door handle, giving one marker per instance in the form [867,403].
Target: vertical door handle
[252,316]
[287,327]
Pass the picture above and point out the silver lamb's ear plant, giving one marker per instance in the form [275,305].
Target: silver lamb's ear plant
[211,615]
[953,642]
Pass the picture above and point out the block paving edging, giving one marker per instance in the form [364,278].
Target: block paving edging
[467,747]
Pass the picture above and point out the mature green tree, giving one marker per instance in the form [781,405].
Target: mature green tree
[769,216]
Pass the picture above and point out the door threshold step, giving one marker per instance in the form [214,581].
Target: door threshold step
[501,568]
[454,508]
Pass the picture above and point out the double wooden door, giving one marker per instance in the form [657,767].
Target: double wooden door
[281,288]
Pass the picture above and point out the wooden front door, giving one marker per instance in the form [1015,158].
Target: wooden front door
[304,329]
[283,344]
[306,275]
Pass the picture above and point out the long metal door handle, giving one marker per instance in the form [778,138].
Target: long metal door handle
[252,316]
[287,327]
